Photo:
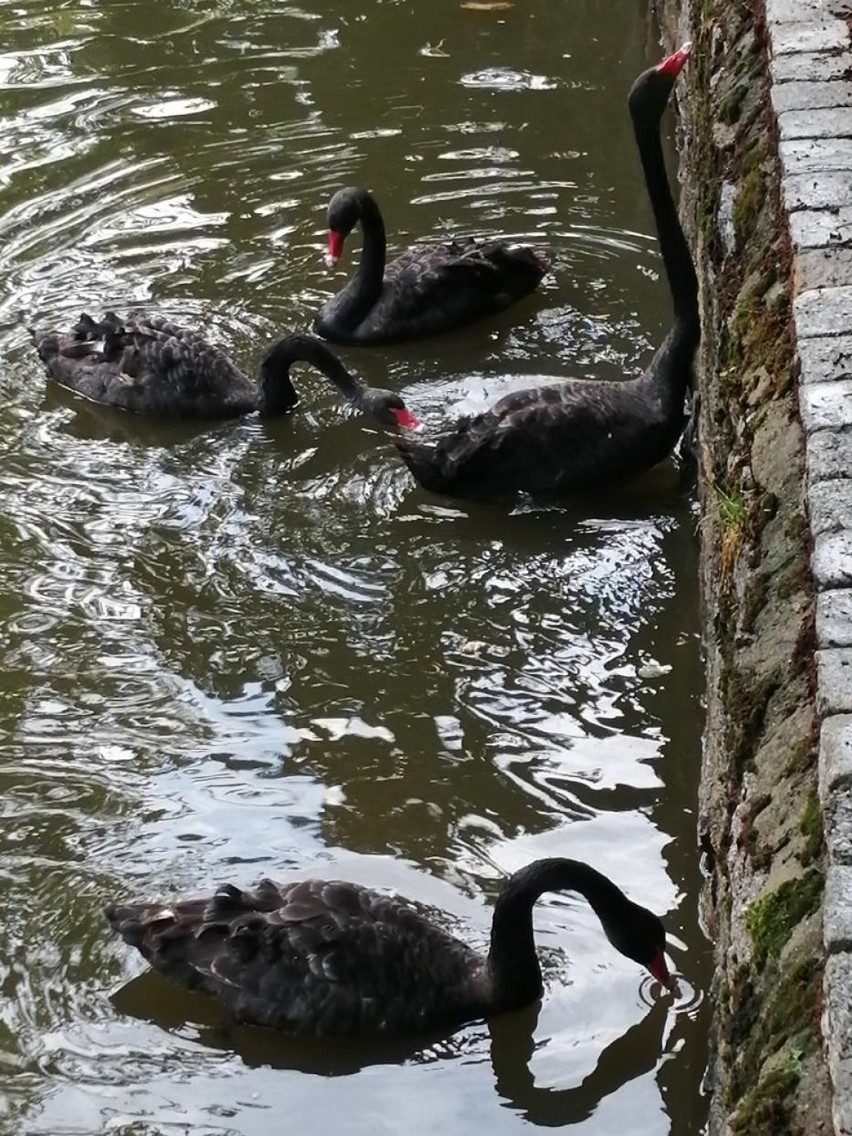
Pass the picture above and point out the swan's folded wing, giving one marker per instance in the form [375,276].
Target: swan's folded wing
[315,956]
[551,439]
[431,288]
[166,369]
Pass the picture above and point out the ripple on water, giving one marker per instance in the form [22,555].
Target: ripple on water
[256,648]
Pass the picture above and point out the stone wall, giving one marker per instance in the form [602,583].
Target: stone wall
[756,72]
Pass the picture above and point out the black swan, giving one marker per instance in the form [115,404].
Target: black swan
[576,436]
[148,365]
[327,957]
[428,289]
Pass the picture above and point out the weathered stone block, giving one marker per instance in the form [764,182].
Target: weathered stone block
[835,752]
[834,680]
[811,228]
[819,189]
[819,34]
[826,406]
[794,11]
[829,456]
[837,917]
[837,817]
[804,155]
[816,94]
[808,65]
[827,122]
[832,562]
[822,268]
[823,311]
[837,1030]
[826,358]
[830,506]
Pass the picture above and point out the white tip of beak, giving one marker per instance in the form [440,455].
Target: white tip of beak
[330,260]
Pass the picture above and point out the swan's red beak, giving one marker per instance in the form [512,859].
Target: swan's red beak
[673,64]
[660,970]
[335,248]
[406,419]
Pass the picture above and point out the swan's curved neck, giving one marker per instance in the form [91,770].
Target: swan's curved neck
[277,393]
[672,363]
[363,290]
[680,271]
[512,960]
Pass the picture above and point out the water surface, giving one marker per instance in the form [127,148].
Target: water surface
[260,649]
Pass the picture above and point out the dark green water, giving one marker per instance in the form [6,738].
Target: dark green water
[260,649]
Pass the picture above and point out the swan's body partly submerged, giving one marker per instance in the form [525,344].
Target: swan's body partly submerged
[578,436]
[427,290]
[328,957]
[149,365]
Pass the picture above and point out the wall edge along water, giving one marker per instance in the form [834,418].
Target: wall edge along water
[766,168]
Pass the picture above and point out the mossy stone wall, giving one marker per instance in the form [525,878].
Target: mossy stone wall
[760,826]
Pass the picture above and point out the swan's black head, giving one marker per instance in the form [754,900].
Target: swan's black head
[388,408]
[344,213]
[650,92]
[639,934]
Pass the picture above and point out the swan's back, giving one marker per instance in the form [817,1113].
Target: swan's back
[434,288]
[316,956]
[148,365]
[568,437]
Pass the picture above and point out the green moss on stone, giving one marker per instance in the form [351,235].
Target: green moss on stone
[811,829]
[800,757]
[747,204]
[771,919]
[767,1109]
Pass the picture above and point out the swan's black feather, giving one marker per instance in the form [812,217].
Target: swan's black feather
[569,437]
[147,364]
[317,956]
[329,957]
[575,436]
[429,288]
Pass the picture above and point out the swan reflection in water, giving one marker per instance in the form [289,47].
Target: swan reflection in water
[513,1046]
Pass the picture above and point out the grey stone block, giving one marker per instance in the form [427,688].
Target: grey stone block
[837,816]
[822,267]
[823,311]
[794,11]
[832,564]
[837,919]
[826,358]
[819,34]
[835,753]
[803,94]
[813,228]
[827,122]
[834,680]
[804,155]
[808,65]
[812,97]
[837,1031]
[826,406]
[828,456]
[830,506]
[819,189]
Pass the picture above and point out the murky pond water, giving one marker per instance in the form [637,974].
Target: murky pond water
[259,648]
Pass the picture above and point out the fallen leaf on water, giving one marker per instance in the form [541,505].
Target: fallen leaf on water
[486,5]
